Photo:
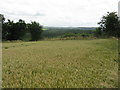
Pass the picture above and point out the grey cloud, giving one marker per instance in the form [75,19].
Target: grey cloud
[58,12]
[39,14]
[20,13]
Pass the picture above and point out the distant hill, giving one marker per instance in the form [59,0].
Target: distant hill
[70,28]
[60,31]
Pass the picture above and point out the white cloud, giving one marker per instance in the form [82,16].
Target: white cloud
[58,12]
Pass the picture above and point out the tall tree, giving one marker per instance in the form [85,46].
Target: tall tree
[20,27]
[7,28]
[14,31]
[109,24]
[35,30]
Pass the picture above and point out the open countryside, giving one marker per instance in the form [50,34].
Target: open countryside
[59,44]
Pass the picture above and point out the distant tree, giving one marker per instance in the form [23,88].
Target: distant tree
[84,35]
[109,24]
[35,30]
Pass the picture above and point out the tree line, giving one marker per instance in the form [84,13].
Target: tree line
[108,26]
[17,30]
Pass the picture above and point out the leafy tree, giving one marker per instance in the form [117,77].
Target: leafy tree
[35,30]
[110,24]
[7,28]
[14,31]
[20,29]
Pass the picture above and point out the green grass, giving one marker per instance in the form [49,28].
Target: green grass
[60,63]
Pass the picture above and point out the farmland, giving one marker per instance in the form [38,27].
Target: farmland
[60,63]
[53,32]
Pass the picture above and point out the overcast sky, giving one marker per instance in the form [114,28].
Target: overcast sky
[58,12]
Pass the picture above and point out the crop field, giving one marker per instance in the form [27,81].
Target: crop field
[60,64]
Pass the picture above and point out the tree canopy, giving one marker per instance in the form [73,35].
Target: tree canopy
[110,25]
[35,30]
[16,31]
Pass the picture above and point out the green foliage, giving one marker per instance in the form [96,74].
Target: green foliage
[65,33]
[35,30]
[98,32]
[69,35]
[76,35]
[110,24]
[21,31]
[14,31]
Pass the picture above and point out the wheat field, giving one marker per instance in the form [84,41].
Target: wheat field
[60,64]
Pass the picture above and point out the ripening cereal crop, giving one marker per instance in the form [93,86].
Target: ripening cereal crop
[60,64]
